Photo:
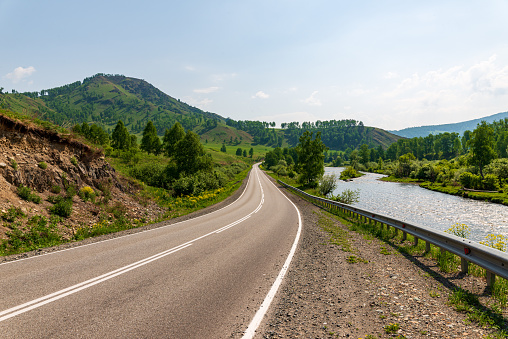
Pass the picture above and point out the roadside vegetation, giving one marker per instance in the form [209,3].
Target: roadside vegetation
[176,173]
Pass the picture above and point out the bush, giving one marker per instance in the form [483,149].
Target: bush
[56,189]
[499,167]
[25,193]
[470,180]
[14,164]
[12,214]
[87,193]
[348,173]
[327,184]
[63,207]
[490,182]
[74,161]
[43,165]
[152,174]
[347,197]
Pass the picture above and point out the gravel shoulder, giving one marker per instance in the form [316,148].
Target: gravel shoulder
[325,296]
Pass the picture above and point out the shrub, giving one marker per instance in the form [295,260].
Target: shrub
[87,193]
[347,197]
[152,174]
[43,165]
[12,214]
[14,164]
[71,191]
[26,193]
[327,184]
[349,173]
[469,180]
[490,182]
[74,161]
[56,189]
[63,207]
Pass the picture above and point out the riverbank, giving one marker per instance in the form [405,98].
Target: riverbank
[494,197]
[347,284]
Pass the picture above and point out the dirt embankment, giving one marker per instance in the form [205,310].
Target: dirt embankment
[45,161]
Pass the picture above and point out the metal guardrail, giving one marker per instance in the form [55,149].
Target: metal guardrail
[493,261]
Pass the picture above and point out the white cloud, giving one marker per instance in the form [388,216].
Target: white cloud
[19,74]
[201,104]
[190,68]
[391,75]
[260,95]
[312,100]
[455,94]
[207,90]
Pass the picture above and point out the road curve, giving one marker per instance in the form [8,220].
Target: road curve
[202,278]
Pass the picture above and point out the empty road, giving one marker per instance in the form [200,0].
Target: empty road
[202,278]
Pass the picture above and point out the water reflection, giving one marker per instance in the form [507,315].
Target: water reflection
[411,203]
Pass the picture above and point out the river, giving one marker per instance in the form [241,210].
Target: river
[419,206]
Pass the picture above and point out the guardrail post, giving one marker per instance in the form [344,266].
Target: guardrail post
[415,242]
[491,278]
[464,266]
[427,247]
[404,235]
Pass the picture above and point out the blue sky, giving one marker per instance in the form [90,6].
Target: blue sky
[390,64]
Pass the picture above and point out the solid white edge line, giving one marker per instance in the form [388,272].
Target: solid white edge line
[132,234]
[28,306]
[258,317]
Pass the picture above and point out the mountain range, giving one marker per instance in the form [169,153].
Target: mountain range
[459,127]
[104,99]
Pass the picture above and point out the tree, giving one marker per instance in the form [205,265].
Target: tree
[190,155]
[364,154]
[223,148]
[251,152]
[239,151]
[120,138]
[311,165]
[481,146]
[171,138]
[244,153]
[150,142]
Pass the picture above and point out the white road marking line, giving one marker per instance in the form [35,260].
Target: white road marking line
[133,234]
[28,306]
[258,317]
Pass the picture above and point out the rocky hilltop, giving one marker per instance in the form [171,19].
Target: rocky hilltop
[52,164]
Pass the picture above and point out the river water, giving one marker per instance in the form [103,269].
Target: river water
[419,206]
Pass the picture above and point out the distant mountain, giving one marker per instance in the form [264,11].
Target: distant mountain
[104,99]
[459,127]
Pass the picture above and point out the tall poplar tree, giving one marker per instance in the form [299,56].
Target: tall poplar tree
[150,141]
[171,139]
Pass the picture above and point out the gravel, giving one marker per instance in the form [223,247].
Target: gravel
[325,296]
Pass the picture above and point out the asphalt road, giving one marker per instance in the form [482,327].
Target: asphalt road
[201,278]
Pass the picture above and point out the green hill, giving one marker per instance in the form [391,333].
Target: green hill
[104,99]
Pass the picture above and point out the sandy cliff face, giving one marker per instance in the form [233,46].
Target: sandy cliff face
[25,149]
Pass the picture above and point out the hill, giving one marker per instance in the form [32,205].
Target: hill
[459,127]
[43,170]
[104,99]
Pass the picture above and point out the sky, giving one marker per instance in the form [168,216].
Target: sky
[391,64]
